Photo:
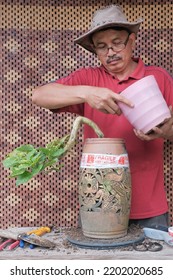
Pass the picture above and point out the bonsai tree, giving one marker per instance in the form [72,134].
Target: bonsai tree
[27,161]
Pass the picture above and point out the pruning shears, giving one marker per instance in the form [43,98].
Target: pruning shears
[32,237]
[13,244]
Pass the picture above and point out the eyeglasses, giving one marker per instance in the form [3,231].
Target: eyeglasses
[116,47]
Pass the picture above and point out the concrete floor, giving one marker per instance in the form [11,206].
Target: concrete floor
[66,250]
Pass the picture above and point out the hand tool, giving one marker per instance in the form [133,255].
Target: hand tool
[37,240]
[158,235]
[13,243]
[5,243]
[22,243]
[32,238]
[40,231]
[147,246]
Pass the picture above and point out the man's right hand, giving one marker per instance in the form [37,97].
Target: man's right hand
[54,95]
[105,100]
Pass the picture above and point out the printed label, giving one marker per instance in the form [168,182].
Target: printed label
[104,161]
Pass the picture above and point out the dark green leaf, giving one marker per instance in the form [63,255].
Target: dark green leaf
[23,178]
[36,170]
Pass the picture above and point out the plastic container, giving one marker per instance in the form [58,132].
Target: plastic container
[170,231]
[150,108]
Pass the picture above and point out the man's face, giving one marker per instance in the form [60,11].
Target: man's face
[114,49]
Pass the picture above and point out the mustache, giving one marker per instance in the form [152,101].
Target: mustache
[114,57]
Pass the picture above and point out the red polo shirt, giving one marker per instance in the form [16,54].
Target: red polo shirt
[146,158]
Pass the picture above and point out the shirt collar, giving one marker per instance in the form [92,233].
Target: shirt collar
[137,74]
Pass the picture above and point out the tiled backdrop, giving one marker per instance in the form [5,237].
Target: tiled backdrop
[37,46]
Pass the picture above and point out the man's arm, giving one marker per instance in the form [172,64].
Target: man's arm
[54,96]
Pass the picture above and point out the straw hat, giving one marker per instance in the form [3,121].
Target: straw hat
[110,16]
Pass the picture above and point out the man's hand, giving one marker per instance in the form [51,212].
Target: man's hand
[105,100]
[164,131]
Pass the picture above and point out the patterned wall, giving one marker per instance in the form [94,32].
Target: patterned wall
[37,46]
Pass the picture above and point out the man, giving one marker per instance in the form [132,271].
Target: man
[93,93]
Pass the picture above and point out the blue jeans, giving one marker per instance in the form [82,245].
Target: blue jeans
[154,222]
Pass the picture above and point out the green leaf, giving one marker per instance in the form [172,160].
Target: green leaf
[58,143]
[57,153]
[17,171]
[23,178]
[25,148]
[36,170]
[8,162]
[38,159]
[31,154]
[45,151]
[24,165]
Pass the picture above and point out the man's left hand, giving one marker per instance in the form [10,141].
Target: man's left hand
[164,131]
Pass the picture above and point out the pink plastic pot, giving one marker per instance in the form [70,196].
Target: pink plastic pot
[150,108]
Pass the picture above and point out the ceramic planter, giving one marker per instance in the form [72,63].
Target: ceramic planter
[104,188]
